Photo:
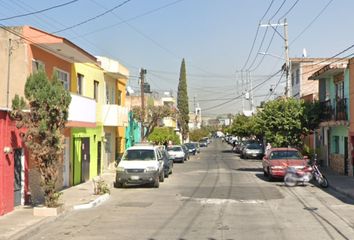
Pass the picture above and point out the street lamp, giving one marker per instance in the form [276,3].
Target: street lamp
[270,54]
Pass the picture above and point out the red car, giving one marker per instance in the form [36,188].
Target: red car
[277,160]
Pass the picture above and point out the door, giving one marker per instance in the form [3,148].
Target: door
[66,158]
[99,146]
[17,176]
[85,159]
[346,160]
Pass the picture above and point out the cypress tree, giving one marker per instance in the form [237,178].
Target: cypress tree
[182,102]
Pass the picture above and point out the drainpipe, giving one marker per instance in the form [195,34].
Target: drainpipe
[8,75]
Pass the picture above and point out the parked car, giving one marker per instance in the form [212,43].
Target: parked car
[203,143]
[252,150]
[168,162]
[192,148]
[276,161]
[186,152]
[140,164]
[197,146]
[177,152]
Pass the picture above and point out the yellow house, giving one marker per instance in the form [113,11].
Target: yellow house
[115,114]
[87,141]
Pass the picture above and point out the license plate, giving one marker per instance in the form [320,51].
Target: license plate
[134,177]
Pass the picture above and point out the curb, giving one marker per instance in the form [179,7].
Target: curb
[93,203]
[342,191]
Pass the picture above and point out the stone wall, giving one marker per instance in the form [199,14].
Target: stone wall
[336,163]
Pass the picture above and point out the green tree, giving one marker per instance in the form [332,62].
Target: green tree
[182,102]
[160,135]
[285,121]
[244,126]
[48,103]
[197,134]
[153,116]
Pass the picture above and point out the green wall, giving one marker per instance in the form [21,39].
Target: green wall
[341,132]
[95,135]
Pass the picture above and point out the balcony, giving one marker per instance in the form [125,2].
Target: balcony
[341,110]
[114,115]
[326,111]
[335,112]
[82,112]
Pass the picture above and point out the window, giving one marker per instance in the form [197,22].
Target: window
[336,144]
[297,77]
[109,94]
[37,65]
[63,77]
[340,90]
[292,79]
[119,98]
[80,83]
[95,90]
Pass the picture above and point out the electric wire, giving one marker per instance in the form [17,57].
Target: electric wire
[255,38]
[93,18]
[131,19]
[39,11]
[258,85]
[310,24]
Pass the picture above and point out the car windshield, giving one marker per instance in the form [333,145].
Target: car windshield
[254,146]
[285,155]
[139,154]
[190,145]
[176,149]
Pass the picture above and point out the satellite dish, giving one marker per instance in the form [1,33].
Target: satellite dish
[304,53]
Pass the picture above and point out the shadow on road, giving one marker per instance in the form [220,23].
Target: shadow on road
[249,169]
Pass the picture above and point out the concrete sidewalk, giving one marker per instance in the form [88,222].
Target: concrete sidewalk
[340,183]
[21,222]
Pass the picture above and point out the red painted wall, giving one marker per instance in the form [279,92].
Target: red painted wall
[9,137]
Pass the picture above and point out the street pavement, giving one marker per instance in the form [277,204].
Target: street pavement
[20,224]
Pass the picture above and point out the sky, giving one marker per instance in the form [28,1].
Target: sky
[215,37]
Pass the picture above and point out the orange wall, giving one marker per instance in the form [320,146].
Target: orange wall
[49,60]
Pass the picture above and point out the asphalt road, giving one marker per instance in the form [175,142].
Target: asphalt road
[215,195]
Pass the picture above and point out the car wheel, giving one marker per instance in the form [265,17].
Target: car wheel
[118,185]
[270,177]
[156,183]
[162,177]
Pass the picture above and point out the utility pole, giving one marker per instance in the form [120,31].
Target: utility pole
[287,59]
[142,114]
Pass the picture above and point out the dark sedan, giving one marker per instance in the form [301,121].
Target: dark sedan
[192,148]
[167,162]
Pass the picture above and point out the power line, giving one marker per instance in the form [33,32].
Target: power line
[39,11]
[289,10]
[271,40]
[313,20]
[255,38]
[132,18]
[93,18]
[221,104]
